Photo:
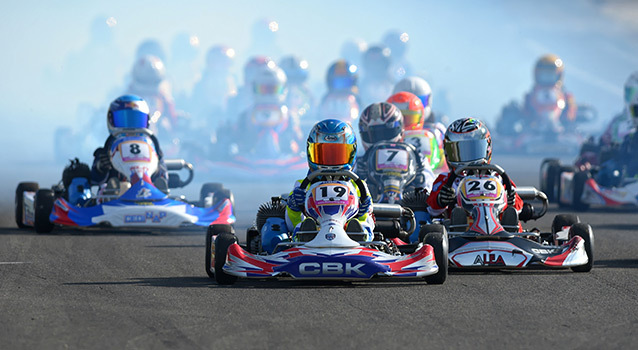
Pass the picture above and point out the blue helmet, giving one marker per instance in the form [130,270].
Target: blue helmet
[296,69]
[342,76]
[128,112]
[331,144]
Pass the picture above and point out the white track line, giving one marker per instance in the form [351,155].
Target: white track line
[13,262]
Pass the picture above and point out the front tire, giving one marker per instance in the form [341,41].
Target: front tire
[44,199]
[584,231]
[218,239]
[436,236]
[19,200]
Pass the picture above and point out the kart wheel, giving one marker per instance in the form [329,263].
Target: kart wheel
[225,238]
[559,190]
[436,236]
[19,200]
[207,188]
[550,172]
[211,236]
[584,231]
[579,186]
[562,220]
[44,199]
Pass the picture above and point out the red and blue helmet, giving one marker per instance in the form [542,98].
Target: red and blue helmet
[331,144]
[128,112]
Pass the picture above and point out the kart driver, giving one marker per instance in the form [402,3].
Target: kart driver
[127,113]
[623,163]
[331,145]
[384,122]
[467,142]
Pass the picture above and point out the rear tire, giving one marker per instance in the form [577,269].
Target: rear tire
[559,190]
[211,235]
[584,231]
[550,171]
[579,186]
[209,187]
[562,220]
[436,236]
[19,200]
[44,199]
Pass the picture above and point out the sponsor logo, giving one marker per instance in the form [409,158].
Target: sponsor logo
[489,260]
[331,138]
[543,251]
[331,268]
[143,193]
[148,216]
[330,236]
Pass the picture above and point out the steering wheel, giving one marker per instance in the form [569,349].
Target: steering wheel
[345,173]
[507,183]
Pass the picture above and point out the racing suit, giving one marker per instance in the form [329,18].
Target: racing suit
[294,218]
[622,165]
[436,210]
[101,174]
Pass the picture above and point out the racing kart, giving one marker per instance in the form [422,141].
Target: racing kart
[486,239]
[576,186]
[391,169]
[325,251]
[132,202]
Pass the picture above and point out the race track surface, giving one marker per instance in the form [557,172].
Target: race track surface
[130,290]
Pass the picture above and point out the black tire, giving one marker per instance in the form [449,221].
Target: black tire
[19,200]
[550,171]
[436,236]
[44,199]
[209,187]
[559,190]
[224,193]
[579,186]
[223,241]
[211,235]
[584,231]
[562,220]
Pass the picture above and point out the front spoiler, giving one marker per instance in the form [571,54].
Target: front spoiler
[515,252]
[358,263]
[168,213]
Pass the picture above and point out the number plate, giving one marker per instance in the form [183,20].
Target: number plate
[330,194]
[482,189]
[135,151]
[392,160]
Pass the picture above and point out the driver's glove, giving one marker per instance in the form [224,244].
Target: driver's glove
[511,197]
[297,199]
[364,206]
[447,196]
[103,162]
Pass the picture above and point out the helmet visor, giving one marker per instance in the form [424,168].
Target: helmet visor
[630,93]
[633,110]
[412,119]
[342,83]
[267,89]
[129,118]
[547,77]
[331,153]
[466,150]
[378,133]
[425,99]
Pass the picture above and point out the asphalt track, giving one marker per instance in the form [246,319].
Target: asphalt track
[129,290]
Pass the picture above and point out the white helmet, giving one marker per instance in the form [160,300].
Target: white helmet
[631,87]
[269,85]
[149,71]
[421,88]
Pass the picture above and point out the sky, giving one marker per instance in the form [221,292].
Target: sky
[479,54]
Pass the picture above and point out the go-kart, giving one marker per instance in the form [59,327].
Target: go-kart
[576,186]
[489,240]
[132,202]
[392,168]
[326,252]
